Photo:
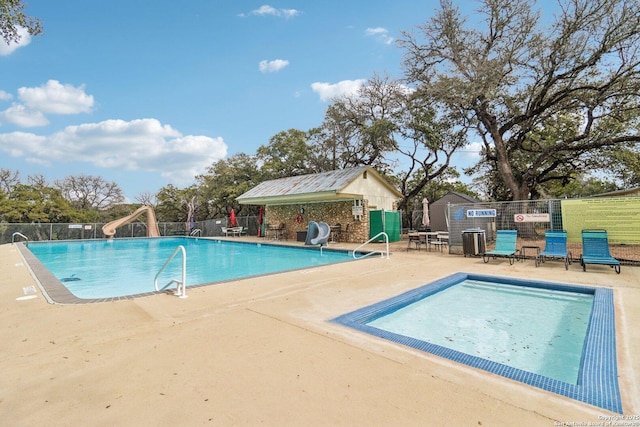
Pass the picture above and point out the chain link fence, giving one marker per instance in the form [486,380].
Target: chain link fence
[486,217]
[67,231]
[532,219]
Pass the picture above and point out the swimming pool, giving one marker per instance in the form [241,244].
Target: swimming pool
[595,366]
[120,268]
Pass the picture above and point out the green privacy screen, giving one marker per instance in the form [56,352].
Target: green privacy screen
[387,221]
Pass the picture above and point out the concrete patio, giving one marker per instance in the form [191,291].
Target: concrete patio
[261,351]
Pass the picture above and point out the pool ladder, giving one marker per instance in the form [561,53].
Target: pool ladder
[17,233]
[382,253]
[181,285]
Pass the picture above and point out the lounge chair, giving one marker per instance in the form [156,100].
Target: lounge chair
[555,247]
[595,250]
[505,246]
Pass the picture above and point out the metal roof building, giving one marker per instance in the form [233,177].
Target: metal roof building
[345,184]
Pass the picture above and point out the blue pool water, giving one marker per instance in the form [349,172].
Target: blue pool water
[120,267]
[557,337]
[537,330]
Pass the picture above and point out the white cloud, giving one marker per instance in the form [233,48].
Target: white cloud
[8,49]
[290,13]
[272,66]
[266,10]
[49,98]
[22,116]
[56,98]
[137,145]
[327,91]
[470,153]
[380,34]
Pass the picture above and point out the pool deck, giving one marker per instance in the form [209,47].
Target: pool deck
[262,351]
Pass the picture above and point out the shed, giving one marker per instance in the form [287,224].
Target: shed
[438,209]
[629,192]
[340,198]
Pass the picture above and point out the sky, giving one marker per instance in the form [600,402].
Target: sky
[151,93]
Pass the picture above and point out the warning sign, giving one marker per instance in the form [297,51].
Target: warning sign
[620,216]
[476,213]
[532,217]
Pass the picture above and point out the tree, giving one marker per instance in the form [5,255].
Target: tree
[8,181]
[388,125]
[146,198]
[223,182]
[287,154]
[12,17]
[361,129]
[624,165]
[173,203]
[430,141]
[32,203]
[514,79]
[581,187]
[88,192]
[434,189]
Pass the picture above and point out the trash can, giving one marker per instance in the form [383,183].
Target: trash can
[473,241]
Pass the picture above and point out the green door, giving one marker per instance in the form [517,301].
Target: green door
[376,223]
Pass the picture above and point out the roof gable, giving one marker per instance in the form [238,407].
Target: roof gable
[454,197]
[313,186]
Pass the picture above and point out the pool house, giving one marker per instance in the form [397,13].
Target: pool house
[343,198]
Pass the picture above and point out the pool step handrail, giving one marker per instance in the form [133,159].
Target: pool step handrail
[382,253]
[181,285]
[195,231]
[17,233]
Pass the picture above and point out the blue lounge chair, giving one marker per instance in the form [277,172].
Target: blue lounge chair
[555,247]
[505,246]
[595,250]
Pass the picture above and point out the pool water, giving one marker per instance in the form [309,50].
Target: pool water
[554,336]
[537,330]
[121,267]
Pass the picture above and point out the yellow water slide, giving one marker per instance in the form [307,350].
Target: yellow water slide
[109,229]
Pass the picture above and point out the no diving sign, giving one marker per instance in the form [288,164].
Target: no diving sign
[536,217]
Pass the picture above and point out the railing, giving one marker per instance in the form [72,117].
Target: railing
[386,239]
[181,285]
[17,233]
[196,231]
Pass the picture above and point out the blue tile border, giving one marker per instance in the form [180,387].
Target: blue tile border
[598,376]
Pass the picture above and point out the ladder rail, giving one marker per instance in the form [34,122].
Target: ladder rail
[17,233]
[181,285]
[386,239]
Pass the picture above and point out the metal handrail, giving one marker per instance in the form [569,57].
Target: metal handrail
[195,231]
[17,233]
[386,238]
[181,285]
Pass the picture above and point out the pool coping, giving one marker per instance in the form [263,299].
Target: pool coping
[55,292]
[598,376]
